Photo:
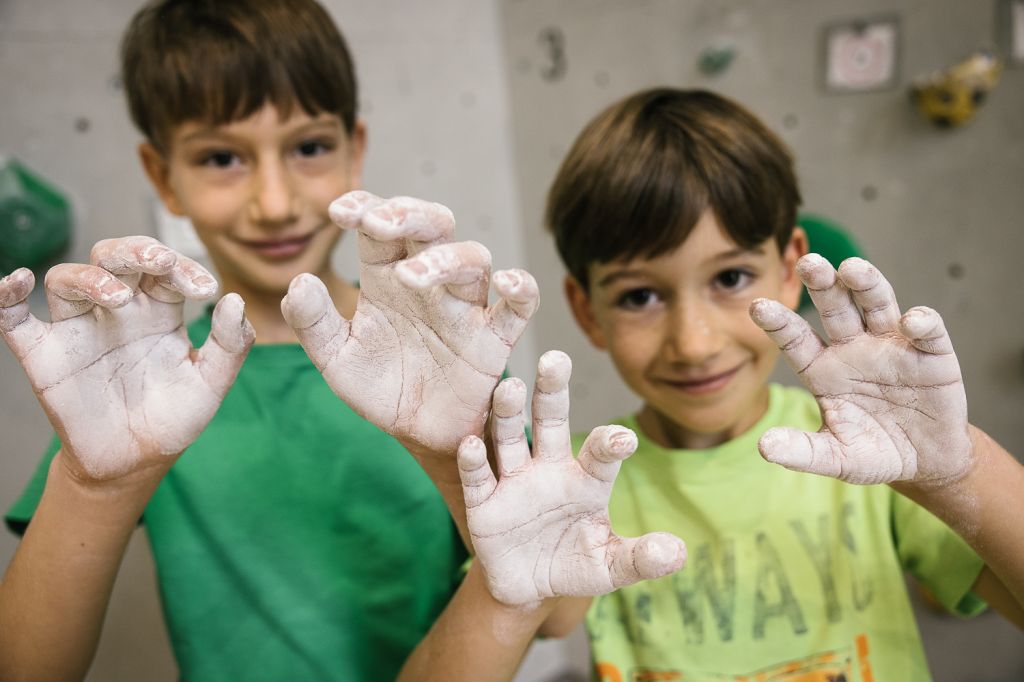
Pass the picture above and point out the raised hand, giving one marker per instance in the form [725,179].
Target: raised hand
[422,354]
[889,387]
[540,528]
[114,368]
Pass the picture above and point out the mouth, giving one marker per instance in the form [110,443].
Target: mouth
[705,384]
[280,248]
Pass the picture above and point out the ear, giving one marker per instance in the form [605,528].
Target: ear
[579,303]
[792,287]
[357,154]
[159,173]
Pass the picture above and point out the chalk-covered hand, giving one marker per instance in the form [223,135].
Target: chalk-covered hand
[114,368]
[889,387]
[422,354]
[541,529]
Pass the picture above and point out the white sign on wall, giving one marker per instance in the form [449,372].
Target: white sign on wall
[1017,31]
[862,55]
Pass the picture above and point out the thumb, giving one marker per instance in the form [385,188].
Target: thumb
[644,558]
[231,337]
[309,310]
[854,460]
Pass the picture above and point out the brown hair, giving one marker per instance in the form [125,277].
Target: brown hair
[218,61]
[641,173]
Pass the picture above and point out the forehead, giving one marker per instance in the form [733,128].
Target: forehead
[708,246]
[266,122]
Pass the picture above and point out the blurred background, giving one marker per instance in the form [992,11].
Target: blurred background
[473,103]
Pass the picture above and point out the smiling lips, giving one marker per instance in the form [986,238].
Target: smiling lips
[704,385]
[279,249]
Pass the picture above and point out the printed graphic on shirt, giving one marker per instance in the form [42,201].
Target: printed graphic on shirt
[829,666]
[707,591]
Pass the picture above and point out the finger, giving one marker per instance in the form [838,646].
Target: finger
[873,295]
[186,280]
[551,438]
[814,453]
[839,315]
[519,298]
[347,212]
[647,557]
[130,257]
[231,337]
[421,223]
[478,482]
[508,426]
[925,329]
[464,267]
[822,454]
[19,326]
[799,343]
[74,288]
[309,310]
[604,449]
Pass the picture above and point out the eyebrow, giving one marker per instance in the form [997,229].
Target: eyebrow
[217,131]
[724,256]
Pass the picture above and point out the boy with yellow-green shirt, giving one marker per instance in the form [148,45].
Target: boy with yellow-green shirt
[674,214]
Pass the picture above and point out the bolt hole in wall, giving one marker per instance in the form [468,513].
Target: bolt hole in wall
[927,185]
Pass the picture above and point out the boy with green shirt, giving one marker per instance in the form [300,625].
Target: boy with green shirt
[674,214]
[294,539]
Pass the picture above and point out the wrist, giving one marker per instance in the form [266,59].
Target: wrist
[956,500]
[136,485]
[523,617]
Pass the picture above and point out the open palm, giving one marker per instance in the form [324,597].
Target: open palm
[541,529]
[114,368]
[424,351]
[889,386]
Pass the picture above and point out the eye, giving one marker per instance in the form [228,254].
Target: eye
[637,299]
[220,159]
[733,279]
[312,148]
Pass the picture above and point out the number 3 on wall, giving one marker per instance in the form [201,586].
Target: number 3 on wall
[553,41]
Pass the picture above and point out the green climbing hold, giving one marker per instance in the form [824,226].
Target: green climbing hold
[35,219]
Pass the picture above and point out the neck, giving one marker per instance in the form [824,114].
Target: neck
[668,433]
[263,308]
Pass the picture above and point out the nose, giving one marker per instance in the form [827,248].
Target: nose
[273,201]
[694,335]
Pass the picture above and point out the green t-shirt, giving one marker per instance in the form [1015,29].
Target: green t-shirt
[293,540]
[786,572]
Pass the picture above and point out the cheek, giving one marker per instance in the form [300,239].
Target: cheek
[762,345]
[322,189]
[632,348]
[212,208]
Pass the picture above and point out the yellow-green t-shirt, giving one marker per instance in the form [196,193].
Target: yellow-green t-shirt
[789,576]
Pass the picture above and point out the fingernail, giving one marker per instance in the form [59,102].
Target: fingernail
[384,212]
[512,279]
[204,282]
[623,440]
[111,289]
[158,255]
[348,203]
